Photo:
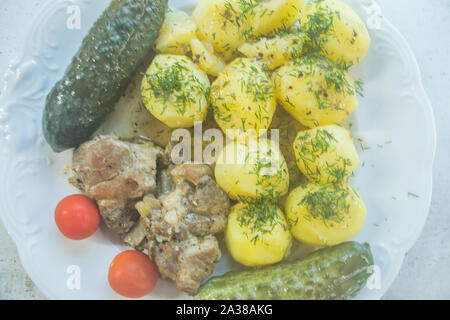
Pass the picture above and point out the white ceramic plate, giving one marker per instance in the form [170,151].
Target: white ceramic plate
[395,120]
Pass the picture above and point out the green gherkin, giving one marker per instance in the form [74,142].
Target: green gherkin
[334,273]
[101,71]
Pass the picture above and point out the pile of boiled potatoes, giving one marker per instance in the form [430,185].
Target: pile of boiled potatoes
[242,59]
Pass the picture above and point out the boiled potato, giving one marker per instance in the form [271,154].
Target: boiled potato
[325,215]
[229,23]
[326,154]
[335,31]
[270,16]
[243,99]
[276,51]
[221,25]
[250,168]
[176,91]
[203,55]
[176,33]
[316,91]
[257,234]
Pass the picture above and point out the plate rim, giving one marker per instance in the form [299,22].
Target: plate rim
[25,60]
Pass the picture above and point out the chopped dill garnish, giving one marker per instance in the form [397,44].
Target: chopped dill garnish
[253,81]
[410,194]
[359,87]
[361,144]
[338,171]
[309,147]
[335,80]
[329,203]
[240,15]
[175,83]
[260,216]
[316,27]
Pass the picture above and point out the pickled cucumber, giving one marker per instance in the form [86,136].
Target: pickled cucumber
[334,273]
[100,72]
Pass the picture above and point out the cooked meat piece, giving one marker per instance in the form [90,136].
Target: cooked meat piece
[189,225]
[173,213]
[189,172]
[208,198]
[190,208]
[116,174]
[188,262]
[136,238]
[196,206]
[118,214]
[107,168]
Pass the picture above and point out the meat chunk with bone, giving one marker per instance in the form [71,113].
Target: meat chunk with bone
[195,206]
[181,223]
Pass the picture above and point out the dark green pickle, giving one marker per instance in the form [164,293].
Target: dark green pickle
[101,71]
[335,273]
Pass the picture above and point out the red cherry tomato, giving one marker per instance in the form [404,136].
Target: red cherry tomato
[77,217]
[132,274]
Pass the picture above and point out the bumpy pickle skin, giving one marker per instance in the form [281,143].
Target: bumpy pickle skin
[101,71]
[335,273]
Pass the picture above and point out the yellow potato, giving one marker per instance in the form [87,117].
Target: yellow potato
[326,154]
[243,99]
[271,16]
[176,33]
[176,91]
[335,31]
[257,235]
[220,24]
[325,215]
[276,51]
[229,23]
[203,55]
[247,168]
[316,91]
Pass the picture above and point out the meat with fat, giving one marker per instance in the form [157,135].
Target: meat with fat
[187,262]
[116,174]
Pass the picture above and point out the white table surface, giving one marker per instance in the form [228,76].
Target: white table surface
[425,24]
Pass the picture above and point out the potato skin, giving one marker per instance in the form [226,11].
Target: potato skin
[176,33]
[240,172]
[316,229]
[326,154]
[251,247]
[316,91]
[176,91]
[335,31]
[243,99]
